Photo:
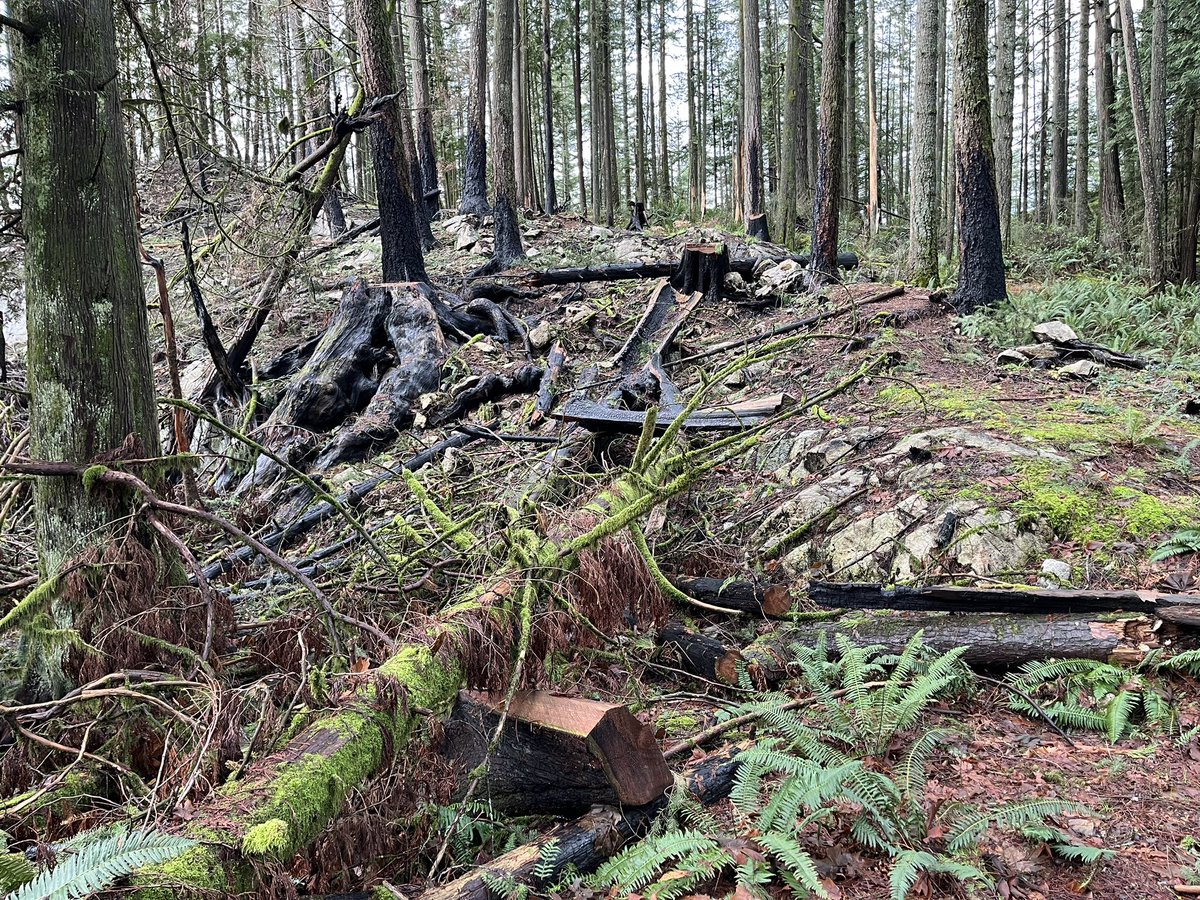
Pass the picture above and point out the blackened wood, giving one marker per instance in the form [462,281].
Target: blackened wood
[545,399]
[216,350]
[584,844]
[702,269]
[289,533]
[637,216]
[700,654]
[771,600]
[661,269]
[412,329]
[492,386]
[1037,601]
[597,417]
[997,641]
[557,754]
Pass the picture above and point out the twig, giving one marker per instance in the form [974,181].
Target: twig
[1033,703]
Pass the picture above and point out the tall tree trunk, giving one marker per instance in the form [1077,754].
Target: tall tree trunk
[577,84]
[90,381]
[403,259]
[508,246]
[1002,112]
[872,129]
[664,183]
[850,107]
[790,161]
[981,257]
[752,167]
[408,145]
[1158,115]
[925,215]
[639,149]
[320,75]
[695,175]
[806,150]
[548,112]
[827,194]
[423,106]
[474,191]
[1191,225]
[1081,123]
[1058,92]
[1112,202]
[1148,152]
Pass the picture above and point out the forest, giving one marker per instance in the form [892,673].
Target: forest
[668,449]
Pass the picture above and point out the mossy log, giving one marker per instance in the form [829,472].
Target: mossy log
[288,797]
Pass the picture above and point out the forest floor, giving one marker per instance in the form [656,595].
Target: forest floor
[1040,477]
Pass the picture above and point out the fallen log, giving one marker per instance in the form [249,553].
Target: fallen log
[597,417]
[993,641]
[557,755]
[288,534]
[486,389]
[555,361]
[771,600]
[1037,601]
[662,269]
[702,655]
[584,844]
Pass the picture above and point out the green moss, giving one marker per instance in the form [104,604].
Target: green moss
[267,839]
[430,682]
[196,872]
[678,723]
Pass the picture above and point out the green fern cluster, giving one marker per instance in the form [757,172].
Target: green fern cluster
[91,861]
[1089,695]
[802,778]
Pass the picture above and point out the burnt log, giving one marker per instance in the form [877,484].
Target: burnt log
[598,417]
[584,844]
[486,389]
[545,398]
[702,655]
[556,755]
[659,269]
[771,600]
[998,641]
[1036,601]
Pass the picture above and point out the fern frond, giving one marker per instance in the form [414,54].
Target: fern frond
[911,772]
[1013,815]
[795,865]
[1120,711]
[640,864]
[15,870]
[101,863]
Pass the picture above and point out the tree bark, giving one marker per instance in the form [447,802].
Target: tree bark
[1058,94]
[1081,123]
[752,154]
[789,162]
[828,191]
[423,108]
[508,247]
[1002,111]
[981,257]
[873,213]
[89,373]
[1153,177]
[577,81]
[403,259]
[474,194]
[1112,195]
[925,216]
[548,114]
